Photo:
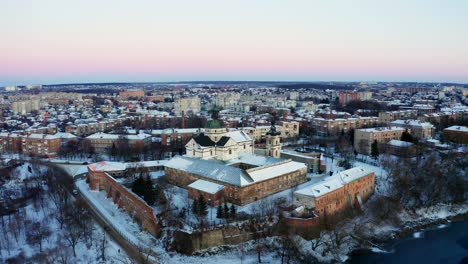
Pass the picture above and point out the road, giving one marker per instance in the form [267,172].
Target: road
[136,255]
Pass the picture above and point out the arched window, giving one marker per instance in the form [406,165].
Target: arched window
[230,152]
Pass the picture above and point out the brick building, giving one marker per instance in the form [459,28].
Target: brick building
[346,97]
[363,138]
[346,189]
[132,94]
[10,143]
[102,141]
[41,145]
[324,126]
[457,134]
[243,181]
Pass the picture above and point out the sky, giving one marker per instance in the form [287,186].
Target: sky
[70,41]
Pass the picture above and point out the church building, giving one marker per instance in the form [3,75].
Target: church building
[222,166]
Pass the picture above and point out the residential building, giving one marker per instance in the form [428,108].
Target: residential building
[103,141]
[456,134]
[186,105]
[346,97]
[420,130]
[363,138]
[325,126]
[344,190]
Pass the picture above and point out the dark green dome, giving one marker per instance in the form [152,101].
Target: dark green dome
[216,123]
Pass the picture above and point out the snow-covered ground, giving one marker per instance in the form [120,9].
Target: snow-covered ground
[15,238]
[120,220]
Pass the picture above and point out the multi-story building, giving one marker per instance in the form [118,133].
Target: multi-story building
[346,97]
[289,129]
[44,145]
[178,137]
[102,141]
[24,107]
[132,94]
[344,190]
[363,138]
[10,143]
[227,100]
[363,96]
[420,130]
[457,134]
[324,126]
[188,104]
[387,117]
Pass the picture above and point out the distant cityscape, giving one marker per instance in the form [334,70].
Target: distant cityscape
[195,166]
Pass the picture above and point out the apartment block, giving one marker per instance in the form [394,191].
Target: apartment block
[363,138]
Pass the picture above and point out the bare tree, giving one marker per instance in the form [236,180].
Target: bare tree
[37,232]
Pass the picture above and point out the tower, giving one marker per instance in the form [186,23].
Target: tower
[215,129]
[273,144]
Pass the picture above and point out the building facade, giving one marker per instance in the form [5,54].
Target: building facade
[456,134]
[363,138]
[346,189]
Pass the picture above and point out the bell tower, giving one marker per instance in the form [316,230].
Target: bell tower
[273,144]
[215,129]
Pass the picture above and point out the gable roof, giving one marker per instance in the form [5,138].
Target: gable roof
[204,140]
[220,171]
[239,136]
[222,141]
[212,169]
[334,182]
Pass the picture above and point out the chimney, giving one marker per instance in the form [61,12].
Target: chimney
[183,119]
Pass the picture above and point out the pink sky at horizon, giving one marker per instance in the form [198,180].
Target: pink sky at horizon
[53,45]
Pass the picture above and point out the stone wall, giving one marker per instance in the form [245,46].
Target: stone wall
[125,199]
[188,243]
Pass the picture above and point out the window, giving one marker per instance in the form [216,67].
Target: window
[230,152]
[194,153]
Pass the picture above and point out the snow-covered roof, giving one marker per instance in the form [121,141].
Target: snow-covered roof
[101,135]
[149,163]
[334,182]
[253,159]
[353,174]
[275,170]
[399,143]
[107,166]
[321,188]
[220,171]
[381,129]
[415,123]
[457,128]
[213,169]
[206,186]
[239,136]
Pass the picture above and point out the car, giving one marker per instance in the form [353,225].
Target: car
[106,228]
[75,192]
